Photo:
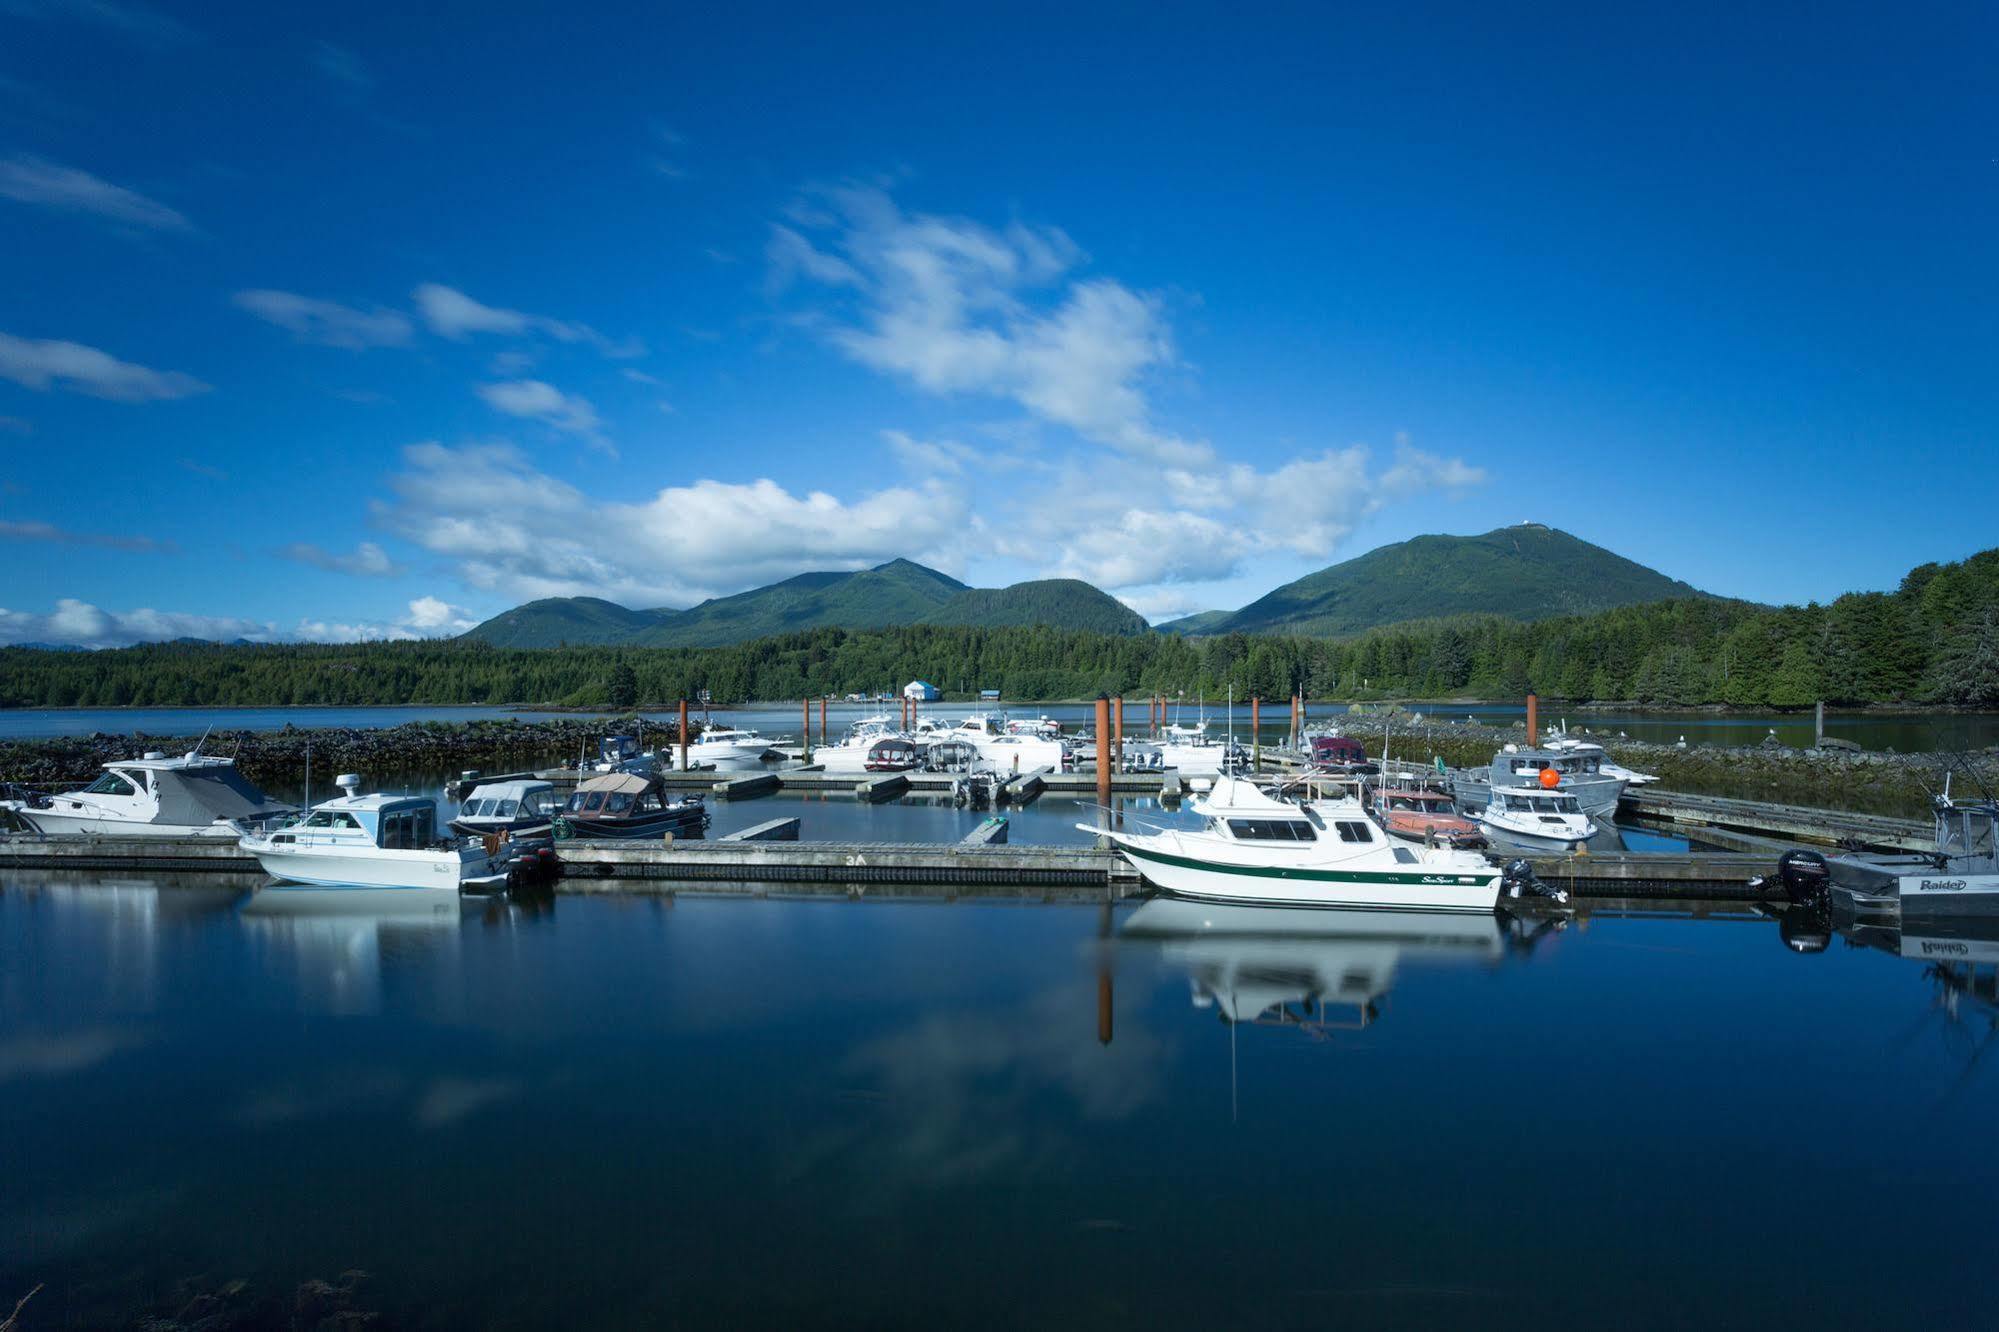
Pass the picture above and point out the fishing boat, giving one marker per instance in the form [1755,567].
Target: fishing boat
[191,795]
[625,805]
[1580,774]
[1564,743]
[1959,877]
[508,809]
[1537,818]
[371,841]
[1418,812]
[1256,849]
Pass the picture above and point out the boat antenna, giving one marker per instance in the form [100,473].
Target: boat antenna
[204,738]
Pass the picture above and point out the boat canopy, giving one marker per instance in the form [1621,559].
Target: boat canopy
[197,795]
[628,783]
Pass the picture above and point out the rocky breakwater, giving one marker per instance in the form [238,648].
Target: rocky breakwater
[1838,776]
[277,758]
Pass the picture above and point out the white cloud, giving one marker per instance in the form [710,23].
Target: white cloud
[954,306]
[49,532]
[638,376]
[427,617]
[80,624]
[366,560]
[450,313]
[538,401]
[132,20]
[516,530]
[327,322]
[42,364]
[31,180]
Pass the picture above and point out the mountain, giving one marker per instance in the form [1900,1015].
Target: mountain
[899,592]
[1528,572]
[556,620]
[1064,603]
[1200,622]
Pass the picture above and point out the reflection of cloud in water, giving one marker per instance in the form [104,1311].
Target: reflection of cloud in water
[341,944]
[951,1097]
[438,1102]
[54,1055]
[446,1101]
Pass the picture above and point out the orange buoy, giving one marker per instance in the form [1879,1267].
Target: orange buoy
[1550,778]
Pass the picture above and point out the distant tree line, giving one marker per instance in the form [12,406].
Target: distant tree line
[1933,640]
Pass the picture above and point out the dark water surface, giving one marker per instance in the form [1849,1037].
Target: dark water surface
[642,1112]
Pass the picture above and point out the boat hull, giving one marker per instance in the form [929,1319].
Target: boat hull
[378,868]
[1524,841]
[55,823]
[688,822]
[1919,888]
[1595,796]
[1308,886]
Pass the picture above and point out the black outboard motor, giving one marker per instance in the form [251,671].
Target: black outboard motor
[1804,877]
[1519,880]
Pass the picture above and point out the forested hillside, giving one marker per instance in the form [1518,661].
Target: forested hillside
[1933,640]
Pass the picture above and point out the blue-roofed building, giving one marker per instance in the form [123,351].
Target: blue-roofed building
[922,691]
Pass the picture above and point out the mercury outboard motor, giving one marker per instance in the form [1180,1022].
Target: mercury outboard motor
[1804,877]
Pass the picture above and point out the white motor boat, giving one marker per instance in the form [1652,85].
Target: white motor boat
[721,744]
[1259,850]
[1005,752]
[1536,818]
[850,753]
[193,795]
[371,841]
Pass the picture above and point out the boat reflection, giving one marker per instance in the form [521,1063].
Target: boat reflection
[1313,971]
[347,946]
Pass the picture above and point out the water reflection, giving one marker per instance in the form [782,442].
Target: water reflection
[342,946]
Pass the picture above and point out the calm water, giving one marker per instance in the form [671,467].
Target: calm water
[1907,732]
[625,1113]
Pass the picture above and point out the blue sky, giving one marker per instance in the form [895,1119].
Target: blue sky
[327,323]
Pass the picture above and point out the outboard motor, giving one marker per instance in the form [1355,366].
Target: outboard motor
[1804,877]
[1519,880]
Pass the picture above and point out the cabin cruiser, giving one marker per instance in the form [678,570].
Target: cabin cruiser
[1417,812]
[1564,743]
[1959,878]
[1536,818]
[193,795]
[372,841]
[950,756]
[1580,774]
[724,745]
[1256,849]
[850,753]
[1008,753]
[626,805]
[508,809]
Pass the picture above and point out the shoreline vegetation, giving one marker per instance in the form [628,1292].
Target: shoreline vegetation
[1831,778]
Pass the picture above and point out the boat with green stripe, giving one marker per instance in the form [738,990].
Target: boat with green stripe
[1257,849]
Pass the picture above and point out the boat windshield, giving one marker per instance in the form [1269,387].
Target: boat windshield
[332,819]
[110,783]
[619,803]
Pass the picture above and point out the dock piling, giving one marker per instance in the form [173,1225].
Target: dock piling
[683,735]
[1117,726]
[1103,749]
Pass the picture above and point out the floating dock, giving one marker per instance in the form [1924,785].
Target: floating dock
[768,854]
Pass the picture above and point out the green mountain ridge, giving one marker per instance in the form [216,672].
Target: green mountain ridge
[1064,603]
[1527,572]
[1200,622]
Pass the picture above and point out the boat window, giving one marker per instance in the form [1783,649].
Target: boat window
[504,809]
[594,803]
[620,803]
[1272,830]
[576,802]
[110,783]
[331,819]
[395,834]
[1353,831]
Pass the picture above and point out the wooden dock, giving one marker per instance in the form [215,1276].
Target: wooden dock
[1759,824]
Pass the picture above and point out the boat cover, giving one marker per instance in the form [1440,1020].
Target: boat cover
[205,794]
[630,782]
